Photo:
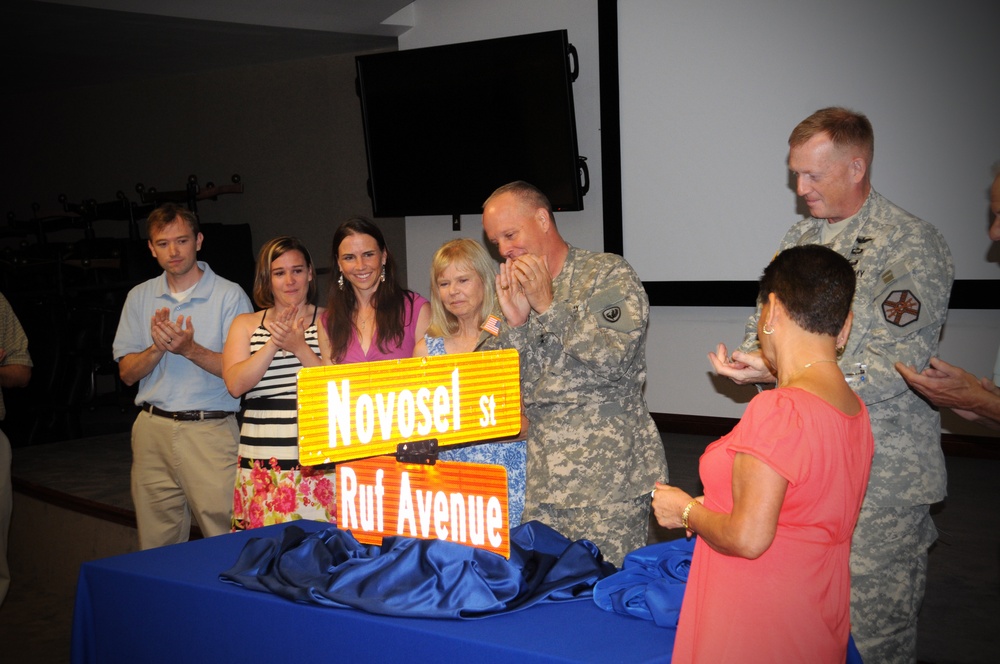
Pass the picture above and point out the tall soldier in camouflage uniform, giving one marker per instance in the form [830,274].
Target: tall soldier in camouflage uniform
[578,320]
[904,272]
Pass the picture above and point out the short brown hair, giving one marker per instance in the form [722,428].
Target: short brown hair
[815,284]
[527,193]
[846,128]
[167,214]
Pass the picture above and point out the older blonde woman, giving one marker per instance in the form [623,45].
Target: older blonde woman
[464,315]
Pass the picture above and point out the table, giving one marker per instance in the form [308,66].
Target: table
[168,605]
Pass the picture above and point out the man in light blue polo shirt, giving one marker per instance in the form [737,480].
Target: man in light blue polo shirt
[170,340]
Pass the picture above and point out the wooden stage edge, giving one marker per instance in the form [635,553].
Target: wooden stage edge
[80,505]
[969,446]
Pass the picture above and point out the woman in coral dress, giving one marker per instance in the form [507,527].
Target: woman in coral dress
[770,577]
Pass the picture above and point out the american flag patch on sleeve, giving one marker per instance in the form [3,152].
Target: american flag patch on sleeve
[492,325]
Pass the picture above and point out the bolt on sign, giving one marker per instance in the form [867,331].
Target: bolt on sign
[352,411]
[450,500]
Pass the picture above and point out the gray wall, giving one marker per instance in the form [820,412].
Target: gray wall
[702,177]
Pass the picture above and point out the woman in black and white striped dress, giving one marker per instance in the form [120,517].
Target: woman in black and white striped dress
[263,354]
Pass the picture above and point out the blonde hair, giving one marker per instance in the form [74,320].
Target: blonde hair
[464,252]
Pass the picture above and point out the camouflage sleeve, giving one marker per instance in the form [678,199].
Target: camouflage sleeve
[750,343]
[901,320]
[603,322]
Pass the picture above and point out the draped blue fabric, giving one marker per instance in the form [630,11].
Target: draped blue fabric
[650,584]
[421,578]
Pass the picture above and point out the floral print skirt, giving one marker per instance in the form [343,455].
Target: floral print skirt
[266,494]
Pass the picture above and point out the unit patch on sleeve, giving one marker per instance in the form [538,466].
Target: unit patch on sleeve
[611,310]
[900,308]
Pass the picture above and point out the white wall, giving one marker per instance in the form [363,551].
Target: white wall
[711,90]
[709,174]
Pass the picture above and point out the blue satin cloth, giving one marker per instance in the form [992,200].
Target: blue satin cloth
[650,584]
[421,578]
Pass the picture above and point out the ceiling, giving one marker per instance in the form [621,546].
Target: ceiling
[63,45]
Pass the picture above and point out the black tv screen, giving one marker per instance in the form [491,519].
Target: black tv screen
[446,125]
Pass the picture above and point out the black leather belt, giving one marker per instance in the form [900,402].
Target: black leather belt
[187,415]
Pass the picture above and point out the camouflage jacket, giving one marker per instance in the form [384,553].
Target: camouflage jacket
[591,439]
[905,272]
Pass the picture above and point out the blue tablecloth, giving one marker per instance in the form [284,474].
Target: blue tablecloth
[168,605]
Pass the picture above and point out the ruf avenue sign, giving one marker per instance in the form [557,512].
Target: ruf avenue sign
[453,501]
[352,414]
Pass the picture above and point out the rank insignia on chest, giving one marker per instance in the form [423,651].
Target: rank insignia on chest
[859,245]
[901,307]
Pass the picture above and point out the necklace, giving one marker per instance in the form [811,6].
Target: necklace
[363,322]
[804,367]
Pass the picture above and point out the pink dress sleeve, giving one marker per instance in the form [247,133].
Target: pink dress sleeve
[772,430]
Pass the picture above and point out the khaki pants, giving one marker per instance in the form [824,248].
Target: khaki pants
[180,469]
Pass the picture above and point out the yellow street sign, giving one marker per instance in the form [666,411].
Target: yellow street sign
[352,411]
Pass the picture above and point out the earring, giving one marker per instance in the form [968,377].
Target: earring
[340,281]
[767,331]
[382,277]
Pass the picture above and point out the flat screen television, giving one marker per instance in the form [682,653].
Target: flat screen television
[446,125]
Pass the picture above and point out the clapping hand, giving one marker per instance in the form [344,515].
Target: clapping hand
[287,330]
